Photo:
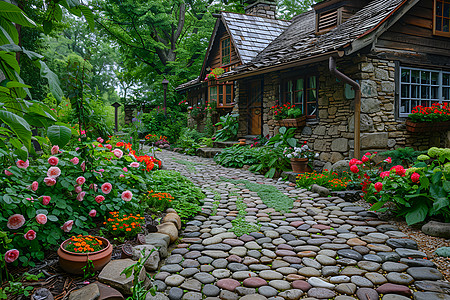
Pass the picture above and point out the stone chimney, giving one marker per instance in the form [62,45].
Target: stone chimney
[261,8]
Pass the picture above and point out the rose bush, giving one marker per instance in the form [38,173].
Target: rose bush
[45,200]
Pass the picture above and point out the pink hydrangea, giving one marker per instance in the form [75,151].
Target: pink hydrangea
[41,219]
[118,153]
[358,162]
[134,164]
[108,146]
[399,170]
[55,150]
[30,235]
[80,180]
[34,186]
[22,164]
[53,172]
[125,169]
[364,159]
[49,181]
[99,199]
[378,186]
[127,195]
[100,140]
[80,196]
[15,221]
[83,166]
[11,255]
[67,227]
[93,213]
[384,174]
[352,162]
[78,189]
[75,160]
[46,200]
[388,160]
[354,169]
[53,160]
[8,173]
[106,188]
[415,177]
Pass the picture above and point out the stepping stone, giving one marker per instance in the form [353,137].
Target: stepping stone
[348,253]
[399,278]
[424,273]
[317,282]
[367,294]
[174,280]
[228,284]
[270,275]
[254,282]
[88,292]
[280,285]
[253,297]
[430,296]
[390,288]
[346,288]
[321,293]
[192,285]
[111,275]
[267,291]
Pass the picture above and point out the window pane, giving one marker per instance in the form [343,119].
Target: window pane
[415,91]
[446,79]
[446,10]
[405,75]
[425,76]
[405,91]
[299,97]
[228,89]
[312,82]
[434,92]
[415,76]
[404,107]
[446,93]
[425,92]
[299,84]
[445,25]
[311,109]
[438,8]
[438,24]
[221,99]
[435,78]
[414,103]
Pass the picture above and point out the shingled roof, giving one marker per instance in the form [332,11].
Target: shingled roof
[299,41]
[252,34]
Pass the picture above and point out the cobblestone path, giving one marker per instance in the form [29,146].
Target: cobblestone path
[323,248]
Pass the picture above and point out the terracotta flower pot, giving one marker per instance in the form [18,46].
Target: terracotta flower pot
[298,122]
[300,165]
[242,141]
[72,262]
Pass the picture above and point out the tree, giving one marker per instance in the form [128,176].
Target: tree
[287,9]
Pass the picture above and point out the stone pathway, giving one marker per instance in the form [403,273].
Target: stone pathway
[323,248]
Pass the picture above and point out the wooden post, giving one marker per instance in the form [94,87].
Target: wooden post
[116,106]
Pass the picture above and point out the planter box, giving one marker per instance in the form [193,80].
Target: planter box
[298,122]
[427,126]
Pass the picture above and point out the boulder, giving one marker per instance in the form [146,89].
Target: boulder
[153,261]
[108,293]
[174,218]
[111,275]
[88,292]
[443,251]
[169,229]
[322,191]
[160,241]
[341,166]
[42,294]
[438,229]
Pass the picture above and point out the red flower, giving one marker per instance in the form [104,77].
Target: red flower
[378,186]
[415,177]
[354,169]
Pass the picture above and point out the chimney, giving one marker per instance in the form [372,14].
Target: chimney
[261,8]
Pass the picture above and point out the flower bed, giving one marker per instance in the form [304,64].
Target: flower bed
[433,118]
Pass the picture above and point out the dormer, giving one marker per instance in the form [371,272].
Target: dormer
[331,13]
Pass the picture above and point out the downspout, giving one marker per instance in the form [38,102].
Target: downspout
[357,88]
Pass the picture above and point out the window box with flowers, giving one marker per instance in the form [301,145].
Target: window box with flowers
[288,115]
[426,119]
[301,158]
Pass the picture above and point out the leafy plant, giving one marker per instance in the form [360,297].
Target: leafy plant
[271,162]
[237,156]
[402,156]
[17,288]
[139,290]
[284,138]
[286,111]
[438,112]
[88,269]
[230,127]
[328,179]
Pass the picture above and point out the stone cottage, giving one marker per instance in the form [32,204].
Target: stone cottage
[396,52]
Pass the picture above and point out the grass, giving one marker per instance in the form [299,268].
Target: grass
[190,166]
[240,225]
[269,194]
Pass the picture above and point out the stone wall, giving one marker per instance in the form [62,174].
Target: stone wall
[332,135]
[262,8]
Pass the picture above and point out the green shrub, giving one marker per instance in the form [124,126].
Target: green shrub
[157,123]
[237,156]
[230,127]
[402,156]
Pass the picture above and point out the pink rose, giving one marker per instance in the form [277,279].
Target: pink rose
[365,158]
[46,200]
[127,195]
[388,160]
[134,164]
[30,235]
[106,188]
[53,172]
[41,219]
[49,181]
[118,153]
[399,170]
[34,186]
[358,162]
[75,160]
[15,221]
[11,255]
[80,196]
[384,174]
[93,213]
[78,189]
[378,186]
[100,140]
[108,146]
[121,175]
[125,169]
[80,180]
[415,177]
[83,166]
[368,154]
[8,173]
[55,150]
[22,164]
[99,199]
[53,161]
[67,227]
[354,169]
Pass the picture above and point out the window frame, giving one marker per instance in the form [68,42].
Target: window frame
[222,90]
[439,32]
[229,51]
[305,89]
[440,85]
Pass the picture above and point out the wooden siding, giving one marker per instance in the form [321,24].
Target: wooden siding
[214,55]
[414,32]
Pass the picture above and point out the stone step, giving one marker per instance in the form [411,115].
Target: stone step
[208,152]
[224,144]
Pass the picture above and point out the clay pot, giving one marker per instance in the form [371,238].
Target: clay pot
[242,141]
[300,165]
[72,262]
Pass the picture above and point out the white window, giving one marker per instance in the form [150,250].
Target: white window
[422,87]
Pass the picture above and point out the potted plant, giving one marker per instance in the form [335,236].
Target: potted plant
[288,115]
[84,250]
[433,118]
[300,158]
